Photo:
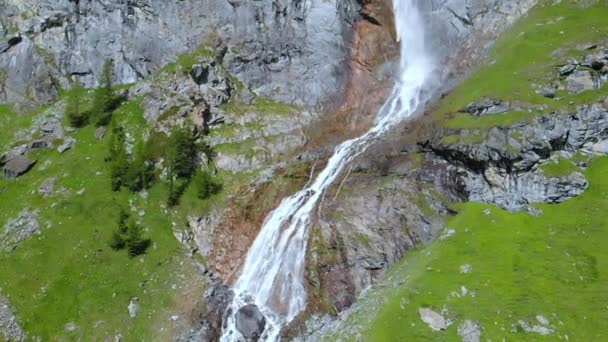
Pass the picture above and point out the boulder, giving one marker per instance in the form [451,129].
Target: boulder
[434,320]
[582,80]
[19,229]
[486,106]
[68,142]
[469,331]
[18,166]
[100,132]
[547,92]
[596,61]
[12,153]
[250,322]
[133,307]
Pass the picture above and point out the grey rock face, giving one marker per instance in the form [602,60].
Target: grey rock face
[506,171]
[250,322]
[290,50]
[19,229]
[460,29]
[9,326]
[18,166]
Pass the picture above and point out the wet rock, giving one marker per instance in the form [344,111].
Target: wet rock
[582,80]
[9,325]
[250,322]
[469,331]
[486,106]
[18,229]
[68,143]
[18,166]
[434,320]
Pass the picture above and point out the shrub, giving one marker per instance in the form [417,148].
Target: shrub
[74,110]
[105,101]
[128,235]
[206,184]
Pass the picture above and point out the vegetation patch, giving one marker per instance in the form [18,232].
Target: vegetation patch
[560,168]
[261,105]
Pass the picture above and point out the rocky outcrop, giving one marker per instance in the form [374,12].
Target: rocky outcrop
[589,74]
[9,326]
[18,229]
[208,326]
[505,167]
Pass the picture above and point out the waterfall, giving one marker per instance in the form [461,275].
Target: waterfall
[272,276]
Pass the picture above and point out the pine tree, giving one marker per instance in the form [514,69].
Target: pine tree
[104,100]
[206,184]
[136,244]
[119,162]
[74,108]
[183,150]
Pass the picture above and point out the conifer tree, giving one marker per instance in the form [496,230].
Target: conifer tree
[104,100]
[74,110]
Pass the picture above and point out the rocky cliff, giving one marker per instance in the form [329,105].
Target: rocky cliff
[292,51]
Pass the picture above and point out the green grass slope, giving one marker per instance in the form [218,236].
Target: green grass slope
[68,273]
[555,265]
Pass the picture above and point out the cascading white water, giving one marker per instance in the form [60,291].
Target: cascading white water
[272,276]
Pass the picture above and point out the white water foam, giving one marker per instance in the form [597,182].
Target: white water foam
[272,276]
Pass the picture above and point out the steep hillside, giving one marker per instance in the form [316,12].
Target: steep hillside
[523,131]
